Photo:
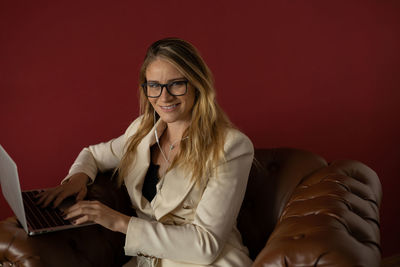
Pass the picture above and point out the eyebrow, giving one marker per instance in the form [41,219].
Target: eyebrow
[168,81]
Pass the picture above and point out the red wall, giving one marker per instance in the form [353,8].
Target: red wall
[318,75]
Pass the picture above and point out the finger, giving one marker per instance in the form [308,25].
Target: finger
[63,195]
[43,194]
[71,214]
[41,197]
[82,211]
[46,197]
[74,215]
[77,206]
[51,196]
[84,207]
[83,219]
[40,194]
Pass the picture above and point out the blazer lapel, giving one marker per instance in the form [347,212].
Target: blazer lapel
[170,192]
[175,187]
[135,178]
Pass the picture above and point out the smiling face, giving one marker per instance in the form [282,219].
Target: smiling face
[172,109]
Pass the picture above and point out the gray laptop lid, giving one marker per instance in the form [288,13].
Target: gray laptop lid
[10,186]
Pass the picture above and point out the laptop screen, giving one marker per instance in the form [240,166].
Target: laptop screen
[10,186]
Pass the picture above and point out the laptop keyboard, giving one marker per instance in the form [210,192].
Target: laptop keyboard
[38,217]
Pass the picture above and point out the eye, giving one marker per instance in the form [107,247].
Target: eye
[178,83]
[153,85]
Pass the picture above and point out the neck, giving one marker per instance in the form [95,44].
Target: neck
[175,131]
[172,136]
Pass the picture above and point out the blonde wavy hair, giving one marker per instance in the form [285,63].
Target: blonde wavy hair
[208,126]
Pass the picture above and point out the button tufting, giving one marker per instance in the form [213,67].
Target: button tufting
[299,236]
[6,264]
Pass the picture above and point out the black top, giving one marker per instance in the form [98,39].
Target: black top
[149,189]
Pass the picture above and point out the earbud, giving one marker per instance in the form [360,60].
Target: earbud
[155,130]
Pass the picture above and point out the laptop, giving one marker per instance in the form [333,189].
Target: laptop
[34,219]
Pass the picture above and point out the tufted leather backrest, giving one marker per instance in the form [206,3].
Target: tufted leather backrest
[331,219]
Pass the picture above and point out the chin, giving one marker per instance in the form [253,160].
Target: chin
[169,119]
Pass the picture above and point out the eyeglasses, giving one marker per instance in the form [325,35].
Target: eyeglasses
[175,88]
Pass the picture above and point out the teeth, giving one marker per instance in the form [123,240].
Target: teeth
[169,107]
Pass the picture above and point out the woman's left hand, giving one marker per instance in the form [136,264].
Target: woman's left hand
[95,211]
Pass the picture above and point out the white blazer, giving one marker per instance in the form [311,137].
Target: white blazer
[185,224]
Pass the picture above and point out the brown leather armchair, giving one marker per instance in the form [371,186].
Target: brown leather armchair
[298,211]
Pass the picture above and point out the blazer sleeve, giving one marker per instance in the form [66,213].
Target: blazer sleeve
[102,157]
[201,241]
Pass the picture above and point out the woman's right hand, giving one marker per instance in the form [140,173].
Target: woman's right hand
[75,185]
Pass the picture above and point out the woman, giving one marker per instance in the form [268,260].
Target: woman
[185,168]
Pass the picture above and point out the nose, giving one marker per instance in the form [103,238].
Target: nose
[165,95]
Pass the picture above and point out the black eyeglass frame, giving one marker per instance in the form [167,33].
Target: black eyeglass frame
[165,85]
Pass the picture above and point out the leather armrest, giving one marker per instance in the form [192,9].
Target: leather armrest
[331,219]
[87,246]
[273,178]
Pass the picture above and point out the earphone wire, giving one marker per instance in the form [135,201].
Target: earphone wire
[158,141]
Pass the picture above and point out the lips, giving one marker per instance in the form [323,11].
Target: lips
[169,108]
